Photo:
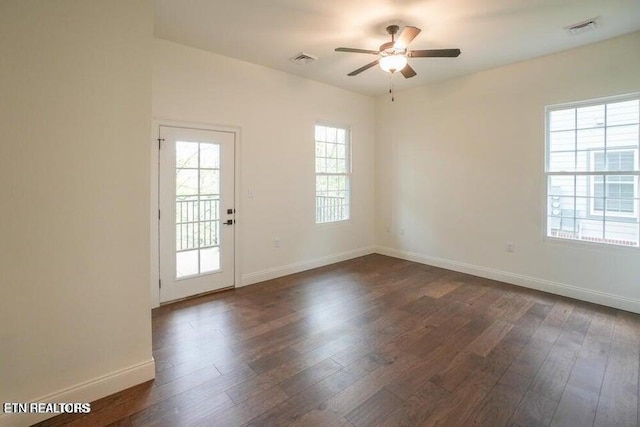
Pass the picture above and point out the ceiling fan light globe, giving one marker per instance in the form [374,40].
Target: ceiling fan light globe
[393,63]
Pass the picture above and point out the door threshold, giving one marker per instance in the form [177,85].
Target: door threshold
[202,294]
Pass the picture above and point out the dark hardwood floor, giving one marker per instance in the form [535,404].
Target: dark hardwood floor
[381,341]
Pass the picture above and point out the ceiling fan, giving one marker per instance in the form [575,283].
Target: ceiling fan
[394,55]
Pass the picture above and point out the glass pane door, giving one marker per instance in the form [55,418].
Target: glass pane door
[197,208]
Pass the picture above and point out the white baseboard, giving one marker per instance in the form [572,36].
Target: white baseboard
[597,297]
[273,273]
[88,391]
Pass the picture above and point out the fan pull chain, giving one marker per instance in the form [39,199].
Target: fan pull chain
[391,87]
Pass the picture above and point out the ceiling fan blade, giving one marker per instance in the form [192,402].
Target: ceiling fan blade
[434,53]
[408,72]
[406,36]
[361,69]
[352,50]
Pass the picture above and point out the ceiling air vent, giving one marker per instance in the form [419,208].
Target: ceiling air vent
[583,27]
[302,58]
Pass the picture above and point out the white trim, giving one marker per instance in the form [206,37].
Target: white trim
[585,244]
[597,297]
[87,391]
[297,267]
[593,102]
[154,242]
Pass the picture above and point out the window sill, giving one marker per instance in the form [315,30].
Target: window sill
[594,246]
[334,223]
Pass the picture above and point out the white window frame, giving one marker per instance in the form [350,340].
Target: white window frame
[348,174]
[547,173]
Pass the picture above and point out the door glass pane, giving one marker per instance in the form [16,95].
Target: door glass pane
[209,182]
[197,208]
[210,156]
[186,263]
[209,259]
[186,154]
[186,182]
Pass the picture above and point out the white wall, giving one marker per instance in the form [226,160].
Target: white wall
[75,109]
[460,168]
[276,113]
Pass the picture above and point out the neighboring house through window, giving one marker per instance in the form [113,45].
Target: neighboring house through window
[617,196]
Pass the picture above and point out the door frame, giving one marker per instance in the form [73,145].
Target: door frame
[155,199]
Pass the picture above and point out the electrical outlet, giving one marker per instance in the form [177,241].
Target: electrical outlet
[250,193]
[388,229]
[511,247]
[276,242]
[402,231]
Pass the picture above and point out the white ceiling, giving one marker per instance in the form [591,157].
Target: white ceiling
[490,33]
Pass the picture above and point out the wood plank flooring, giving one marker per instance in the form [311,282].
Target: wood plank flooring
[382,341]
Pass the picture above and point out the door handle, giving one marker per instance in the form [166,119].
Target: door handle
[229,222]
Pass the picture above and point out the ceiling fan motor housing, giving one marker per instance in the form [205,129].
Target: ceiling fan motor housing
[388,49]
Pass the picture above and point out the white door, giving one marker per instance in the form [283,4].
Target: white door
[196,211]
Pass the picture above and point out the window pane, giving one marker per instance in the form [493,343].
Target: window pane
[617,160]
[622,137]
[622,113]
[592,231]
[587,208]
[627,162]
[562,162]
[562,119]
[331,165]
[337,183]
[583,159]
[583,188]
[590,117]
[331,134]
[591,139]
[621,233]
[626,190]
[598,162]
[628,205]
[598,189]
[321,183]
[554,207]
[561,186]
[331,150]
[563,141]
[598,205]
